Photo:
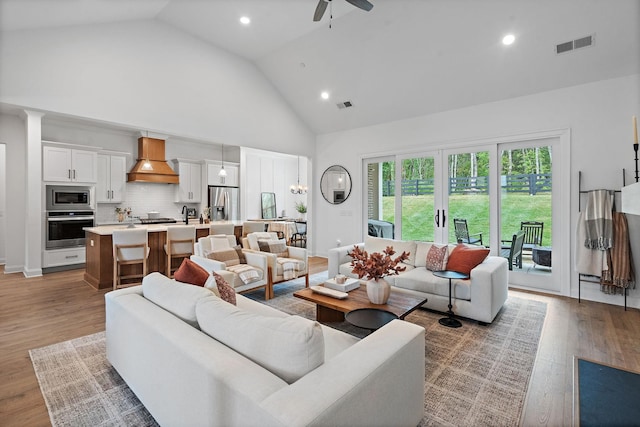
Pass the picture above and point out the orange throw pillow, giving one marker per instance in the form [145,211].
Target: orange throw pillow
[192,273]
[463,259]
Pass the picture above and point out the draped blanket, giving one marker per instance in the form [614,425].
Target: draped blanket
[587,261]
[247,273]
[620,274]
[598,220]
[291,267]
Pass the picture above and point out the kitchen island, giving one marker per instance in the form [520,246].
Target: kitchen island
[99,250]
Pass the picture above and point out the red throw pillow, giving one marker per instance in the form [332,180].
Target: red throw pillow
[226,291]
[463,259]
[192,273]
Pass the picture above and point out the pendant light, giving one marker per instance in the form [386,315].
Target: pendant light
[298,189]
[222,172]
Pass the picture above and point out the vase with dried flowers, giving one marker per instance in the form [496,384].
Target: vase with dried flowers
[374,267]
[121,212]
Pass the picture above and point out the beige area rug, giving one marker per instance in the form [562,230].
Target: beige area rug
[475,375]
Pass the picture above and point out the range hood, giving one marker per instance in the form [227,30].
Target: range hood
[151,165]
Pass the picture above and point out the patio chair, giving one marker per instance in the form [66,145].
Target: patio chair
[532,234]
[513,252]
[462,233]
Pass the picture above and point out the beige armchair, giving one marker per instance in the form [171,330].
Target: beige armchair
[295,263]
[233,274]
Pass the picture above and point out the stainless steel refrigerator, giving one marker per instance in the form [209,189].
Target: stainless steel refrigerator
[225,203]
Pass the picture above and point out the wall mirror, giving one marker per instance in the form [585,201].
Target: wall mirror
[269,205]
[335,184]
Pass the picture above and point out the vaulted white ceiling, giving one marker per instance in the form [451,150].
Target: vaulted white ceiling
[402,59]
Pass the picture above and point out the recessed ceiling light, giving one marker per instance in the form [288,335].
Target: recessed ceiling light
[324,95]
[508,39]
[245,20]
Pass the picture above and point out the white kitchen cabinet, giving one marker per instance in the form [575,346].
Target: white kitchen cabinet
[190,188]
[112,178]
[60,257]
[62,164]
[231,180]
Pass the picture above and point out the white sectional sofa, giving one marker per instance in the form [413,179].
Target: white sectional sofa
[264,368]
[479,298]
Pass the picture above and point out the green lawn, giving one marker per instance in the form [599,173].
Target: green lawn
[417,215]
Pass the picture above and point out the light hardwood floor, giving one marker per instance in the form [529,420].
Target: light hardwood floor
[39,311]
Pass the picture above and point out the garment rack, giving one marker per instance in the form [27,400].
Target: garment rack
[586,277]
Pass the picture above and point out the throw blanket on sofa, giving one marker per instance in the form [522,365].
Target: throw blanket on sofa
[598,220]
[620,274]
[247,273]
[290,267]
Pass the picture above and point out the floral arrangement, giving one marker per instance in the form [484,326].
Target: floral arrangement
[301,207]
[206,212]
[124,211]
[376,265]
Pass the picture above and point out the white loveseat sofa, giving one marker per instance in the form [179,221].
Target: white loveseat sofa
[185,377]
[479,298]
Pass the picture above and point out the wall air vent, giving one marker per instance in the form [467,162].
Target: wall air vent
[575,44]
[345,104]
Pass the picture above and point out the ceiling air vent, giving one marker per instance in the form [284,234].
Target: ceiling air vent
[345,104]
[575,44]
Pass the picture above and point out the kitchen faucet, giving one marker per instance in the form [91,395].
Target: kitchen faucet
[185,211]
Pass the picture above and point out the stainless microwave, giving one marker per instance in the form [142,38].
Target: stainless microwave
[68,198]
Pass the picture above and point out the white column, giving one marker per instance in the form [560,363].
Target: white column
[33,201]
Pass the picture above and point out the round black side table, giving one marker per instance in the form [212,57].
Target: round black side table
[369,318]
[450,321]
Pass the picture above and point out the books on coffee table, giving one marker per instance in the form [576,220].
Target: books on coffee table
[347,286]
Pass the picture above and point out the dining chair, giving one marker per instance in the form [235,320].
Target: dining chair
[300,236]
[462,233]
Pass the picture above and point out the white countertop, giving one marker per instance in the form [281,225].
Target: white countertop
[106,230]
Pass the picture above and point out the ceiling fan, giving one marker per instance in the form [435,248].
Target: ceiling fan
[322,6]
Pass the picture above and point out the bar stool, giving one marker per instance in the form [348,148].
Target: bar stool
[221,229]
[180,241]
[130,247]
[252,227]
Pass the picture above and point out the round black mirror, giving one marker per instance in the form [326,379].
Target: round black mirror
[335,184]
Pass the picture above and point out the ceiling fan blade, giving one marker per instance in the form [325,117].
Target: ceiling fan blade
[322,6]
[362,4]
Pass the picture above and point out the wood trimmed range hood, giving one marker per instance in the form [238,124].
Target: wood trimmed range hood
[151,165]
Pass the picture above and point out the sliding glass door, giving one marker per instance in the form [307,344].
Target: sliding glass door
[482,195]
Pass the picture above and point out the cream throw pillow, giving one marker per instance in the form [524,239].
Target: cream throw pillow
[289,347]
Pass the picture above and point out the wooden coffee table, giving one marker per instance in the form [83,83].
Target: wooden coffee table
[333,310]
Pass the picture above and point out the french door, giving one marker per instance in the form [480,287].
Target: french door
[491,188]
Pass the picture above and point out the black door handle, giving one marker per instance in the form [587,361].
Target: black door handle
[437,218]
[444,218]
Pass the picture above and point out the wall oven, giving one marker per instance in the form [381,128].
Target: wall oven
[65,229]
[69,211]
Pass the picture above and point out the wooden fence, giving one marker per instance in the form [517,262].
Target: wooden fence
[522,183]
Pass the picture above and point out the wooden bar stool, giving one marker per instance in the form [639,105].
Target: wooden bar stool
[130,247]
[180,241]
[226,229]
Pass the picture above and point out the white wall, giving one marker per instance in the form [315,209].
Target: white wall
[13,135]
[264,171]
[598,115]
[150,76]
[3,202]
